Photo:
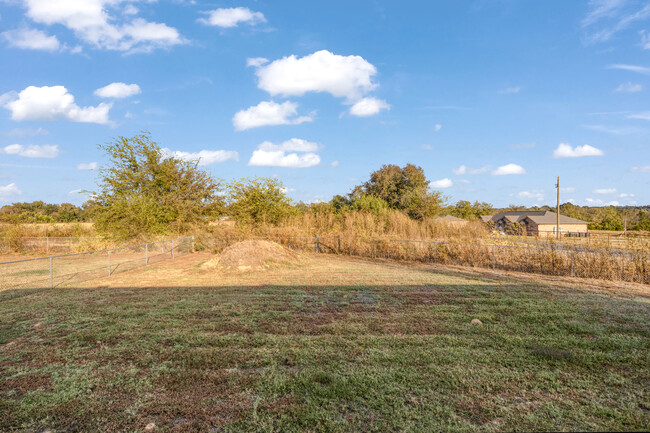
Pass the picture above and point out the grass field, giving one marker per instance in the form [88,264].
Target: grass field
[334,344]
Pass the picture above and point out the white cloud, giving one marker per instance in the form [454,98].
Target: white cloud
[9,190]
[510,90]
[566,151]
[118,90]
[567,189]
[231,17]
[629,88]
[645,40]
[442,183]
[608,17]
[91,22]
[437,127]
[537,195]
[53,103]
[22,132]
[276,155]
[644,115]
[509,169]
[269,113]
[130,10]
[32,150]
[463,169]
[632,68]
[599,202]
[256,62]
[87,166]
[348,77]
[205,157]
[31,39]
[640,169]
[626,195]
[368,107]
[605,191]
[334,164]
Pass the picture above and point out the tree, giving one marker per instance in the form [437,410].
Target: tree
[258,201]
[405,189]
[144,191]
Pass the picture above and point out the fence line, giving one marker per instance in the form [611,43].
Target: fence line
[616,265]
[53,271]
[52,243]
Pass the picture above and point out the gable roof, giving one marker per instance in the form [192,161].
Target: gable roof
[536,216]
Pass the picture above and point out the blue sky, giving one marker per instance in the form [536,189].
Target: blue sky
[493,98]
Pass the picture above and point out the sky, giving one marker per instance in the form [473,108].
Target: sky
[492,98]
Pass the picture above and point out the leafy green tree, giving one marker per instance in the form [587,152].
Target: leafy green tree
[144,191]
[369,203]
[258,201]
[405,189]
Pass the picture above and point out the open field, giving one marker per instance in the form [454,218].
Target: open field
[333,344]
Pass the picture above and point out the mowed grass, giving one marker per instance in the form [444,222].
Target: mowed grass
[336,344]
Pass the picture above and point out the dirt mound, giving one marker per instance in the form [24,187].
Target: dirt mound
[252,256]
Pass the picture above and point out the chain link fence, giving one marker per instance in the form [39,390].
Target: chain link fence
[51,244]
[66,269]
[549,259]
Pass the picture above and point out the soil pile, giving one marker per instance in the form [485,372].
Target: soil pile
[252,256]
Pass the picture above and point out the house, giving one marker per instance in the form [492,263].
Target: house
[536,223]
[451,220]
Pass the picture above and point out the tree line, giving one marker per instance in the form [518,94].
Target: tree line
[143,190]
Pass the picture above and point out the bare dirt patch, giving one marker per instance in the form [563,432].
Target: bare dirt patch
[253,255]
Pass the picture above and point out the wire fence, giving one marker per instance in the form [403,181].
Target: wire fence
[52,244]
[66,269]
[556,260]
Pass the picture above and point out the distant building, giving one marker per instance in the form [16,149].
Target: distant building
[452,220]
[536,223]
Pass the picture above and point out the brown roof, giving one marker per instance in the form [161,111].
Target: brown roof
[451,218]
[537,216]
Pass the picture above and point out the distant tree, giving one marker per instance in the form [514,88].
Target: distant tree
[369,203]
[468,211]
[607,218]
[643,221]
[144,191]
[405,189]
[258,201]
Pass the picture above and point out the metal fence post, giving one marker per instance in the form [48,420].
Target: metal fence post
[572,251]
[317,249]
[494,257]
[435,252]
[172,248]
[51,276]
[47,244]
[109,263]
[146,254]
[192,243]
[339,244]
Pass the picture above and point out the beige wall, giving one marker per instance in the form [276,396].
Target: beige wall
[549,229]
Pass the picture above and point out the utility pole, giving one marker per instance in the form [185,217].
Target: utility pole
[557,228]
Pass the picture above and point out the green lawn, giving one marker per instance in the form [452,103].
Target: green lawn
[335,345]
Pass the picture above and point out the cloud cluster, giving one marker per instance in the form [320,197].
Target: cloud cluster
[605,191]
[509,169]
[368,107]
[294,153]
[566,151]
[537,195]
[118,90]
[31,39]
[463,169]
[232,17]
[629,88]
[442,183]
[9,190]
[608,17]
[204,157]
[91,22]
[49,103]
[269,113]
[32,150]
[88,166]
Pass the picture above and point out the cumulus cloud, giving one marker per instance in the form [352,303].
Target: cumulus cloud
[118,90]
[368,107]
[349,77]
[269,113]
[52,103]
[537,195]
[232,17]
[9,190]
[91,22]
[31,39]
[205,157]
[437,127]
[442,183]
[463,169]
[87,166]
[566,151]
[605,191]
[509,169]
[256,62]
[278,155]
[629,88]
[32,150]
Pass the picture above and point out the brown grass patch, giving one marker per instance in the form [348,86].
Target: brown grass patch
[252,255]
